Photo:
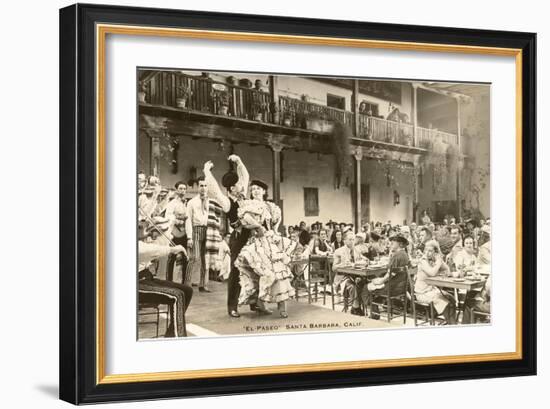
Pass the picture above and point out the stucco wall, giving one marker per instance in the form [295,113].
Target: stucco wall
[382,196]
[300,169]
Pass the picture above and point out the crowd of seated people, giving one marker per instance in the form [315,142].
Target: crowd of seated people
[446,248]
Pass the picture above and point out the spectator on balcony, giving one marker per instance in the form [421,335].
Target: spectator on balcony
[258,85]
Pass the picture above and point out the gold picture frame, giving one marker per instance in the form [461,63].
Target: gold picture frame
[98,20]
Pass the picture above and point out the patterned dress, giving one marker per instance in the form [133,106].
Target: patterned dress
[263,262]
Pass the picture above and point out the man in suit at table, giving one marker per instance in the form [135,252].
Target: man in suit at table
[348,256]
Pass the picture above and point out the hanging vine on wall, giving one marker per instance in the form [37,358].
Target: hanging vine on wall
[341,135]
[444,161]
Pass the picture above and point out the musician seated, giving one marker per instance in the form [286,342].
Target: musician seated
[152,290]
[350,287]
[395,280]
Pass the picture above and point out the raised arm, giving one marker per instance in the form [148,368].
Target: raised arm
[429,270]
[214,191]
[242,173]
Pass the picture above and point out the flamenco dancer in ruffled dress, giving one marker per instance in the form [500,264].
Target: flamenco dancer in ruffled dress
[263,263]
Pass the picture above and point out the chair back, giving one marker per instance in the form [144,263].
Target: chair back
[320,268]
[398,282]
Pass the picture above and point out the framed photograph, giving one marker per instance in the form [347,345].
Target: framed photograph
[257,203]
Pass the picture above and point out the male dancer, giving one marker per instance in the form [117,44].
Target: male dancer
[236,184]
[196,225]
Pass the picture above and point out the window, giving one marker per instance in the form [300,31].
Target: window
[311,201]
[365,107]
[336,101]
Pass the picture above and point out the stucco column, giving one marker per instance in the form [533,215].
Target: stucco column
[358,155]
[155,128]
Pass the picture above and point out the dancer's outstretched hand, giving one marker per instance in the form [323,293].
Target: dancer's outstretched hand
[234,158]
[208,166]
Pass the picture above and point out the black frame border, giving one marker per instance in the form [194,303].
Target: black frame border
[78,197]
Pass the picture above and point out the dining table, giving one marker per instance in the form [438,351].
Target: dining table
[377,270]
[466,284]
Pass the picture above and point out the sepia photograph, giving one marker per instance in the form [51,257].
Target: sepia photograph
[254,203]
[275,203]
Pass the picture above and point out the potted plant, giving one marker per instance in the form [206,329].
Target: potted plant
[274,109]
[184,92]
[288,117]
[141,92]
[315,121]
[245,82]
[222,99]
[259,107]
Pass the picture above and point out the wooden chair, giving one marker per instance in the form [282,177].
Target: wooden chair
[429,310]
[319,275]
[146,304]
[402,275]
[299,268]
[146,309]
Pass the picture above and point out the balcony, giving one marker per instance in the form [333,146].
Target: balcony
[240,106]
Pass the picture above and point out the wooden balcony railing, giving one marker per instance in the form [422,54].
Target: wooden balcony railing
[425,137]
[205,95]
[301,114]
[382,130]
[202,94]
